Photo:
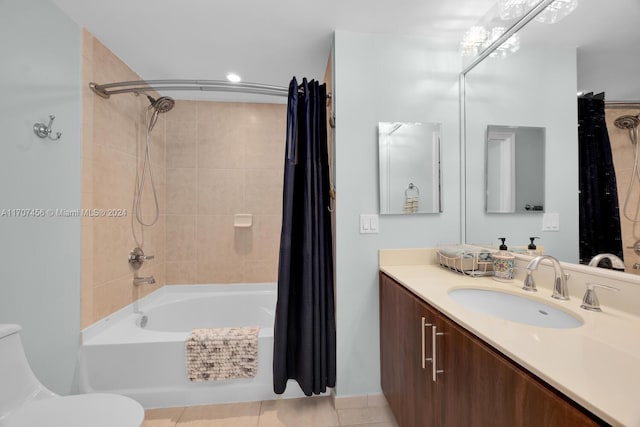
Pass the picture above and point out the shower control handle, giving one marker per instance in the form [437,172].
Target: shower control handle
[137,258]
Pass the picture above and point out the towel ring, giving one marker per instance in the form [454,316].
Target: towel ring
[412,187]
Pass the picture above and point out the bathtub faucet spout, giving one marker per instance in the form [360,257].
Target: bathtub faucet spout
[144,280]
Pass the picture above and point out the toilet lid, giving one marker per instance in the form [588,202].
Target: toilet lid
[82,410]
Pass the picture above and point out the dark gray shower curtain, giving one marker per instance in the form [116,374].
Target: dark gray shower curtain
[304,331]
[599,211]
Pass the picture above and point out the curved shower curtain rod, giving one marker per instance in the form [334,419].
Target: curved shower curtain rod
[106,90]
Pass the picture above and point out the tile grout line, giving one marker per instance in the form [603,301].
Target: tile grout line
[180,416]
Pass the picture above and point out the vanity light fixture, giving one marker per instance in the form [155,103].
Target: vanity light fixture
[234,78]
[473,40]
[512,9]
[556,11]
[511,45]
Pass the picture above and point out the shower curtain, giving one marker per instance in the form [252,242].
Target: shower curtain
[304,331]
[599,211]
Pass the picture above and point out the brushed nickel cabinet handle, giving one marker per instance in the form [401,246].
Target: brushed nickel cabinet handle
[423,358]
[434,365]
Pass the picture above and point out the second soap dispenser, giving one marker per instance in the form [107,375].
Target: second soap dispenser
[503,262]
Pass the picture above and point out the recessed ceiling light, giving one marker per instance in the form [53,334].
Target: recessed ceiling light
[234,78]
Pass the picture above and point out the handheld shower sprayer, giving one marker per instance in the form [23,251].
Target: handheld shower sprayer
[160,105]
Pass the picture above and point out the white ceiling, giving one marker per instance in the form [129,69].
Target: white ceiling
[271,41]
[264,41]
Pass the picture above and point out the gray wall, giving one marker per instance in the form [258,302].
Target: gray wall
[384,78]
[39,257]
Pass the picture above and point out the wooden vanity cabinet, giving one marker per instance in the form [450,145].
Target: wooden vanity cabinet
[474,384]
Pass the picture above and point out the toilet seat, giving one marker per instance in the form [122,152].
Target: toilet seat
[81,410]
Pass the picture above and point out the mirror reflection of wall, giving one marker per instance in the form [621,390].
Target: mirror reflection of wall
[515,169]
[409,167]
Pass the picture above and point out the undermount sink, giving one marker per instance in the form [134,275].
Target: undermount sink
[515,308]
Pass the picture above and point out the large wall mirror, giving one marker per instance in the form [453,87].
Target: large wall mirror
[537,86]
[409,155]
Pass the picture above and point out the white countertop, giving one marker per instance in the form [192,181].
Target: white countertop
[597,364]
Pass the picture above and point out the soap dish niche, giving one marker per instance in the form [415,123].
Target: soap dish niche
[243,220]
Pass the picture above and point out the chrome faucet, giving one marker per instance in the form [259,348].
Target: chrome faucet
[560,288]
[150,280]
[616,263]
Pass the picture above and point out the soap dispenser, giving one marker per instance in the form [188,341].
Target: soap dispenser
[532,249]
[503,263]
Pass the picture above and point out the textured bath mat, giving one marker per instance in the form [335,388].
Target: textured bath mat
[222,353]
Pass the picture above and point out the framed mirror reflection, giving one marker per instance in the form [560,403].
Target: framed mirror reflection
[409,168]
[514,171]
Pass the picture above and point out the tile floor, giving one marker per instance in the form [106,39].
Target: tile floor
[305,412]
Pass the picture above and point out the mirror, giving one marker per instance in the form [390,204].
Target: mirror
[409,155]
[536,86]
[514,169]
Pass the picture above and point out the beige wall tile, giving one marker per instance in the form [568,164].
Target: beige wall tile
[86,42]
[222,134]
[112,296]
[266,136]
[181,273]
[181,131]
[181,238]
[220,191]
[261,271]
[263,191]
[113,179]
[218,120]
[224,415]
[181,191]
[113,133]
[111,245]
[182,112]
[113,127]
[219,250]
[264,238]
[181,155]
[222,152]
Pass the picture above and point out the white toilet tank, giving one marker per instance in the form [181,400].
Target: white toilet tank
[18,384]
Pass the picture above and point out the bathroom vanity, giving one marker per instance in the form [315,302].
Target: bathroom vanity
[444,364]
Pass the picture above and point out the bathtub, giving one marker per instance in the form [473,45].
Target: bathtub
[139,351]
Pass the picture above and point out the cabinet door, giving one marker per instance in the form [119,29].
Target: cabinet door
[405,344]
[481,387]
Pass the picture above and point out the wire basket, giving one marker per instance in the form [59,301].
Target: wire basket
[465,259]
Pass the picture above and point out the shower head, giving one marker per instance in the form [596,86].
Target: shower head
[162,104]
[627,122]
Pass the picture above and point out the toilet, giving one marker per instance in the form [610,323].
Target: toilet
[25,402]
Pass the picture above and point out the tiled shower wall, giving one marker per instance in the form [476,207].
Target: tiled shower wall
[210,161]
[623,158]
[223,159]
[112,131]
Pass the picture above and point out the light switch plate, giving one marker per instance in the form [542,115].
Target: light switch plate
[369,224]
[551,222]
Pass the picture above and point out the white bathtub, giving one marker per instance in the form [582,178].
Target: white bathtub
[148,363]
